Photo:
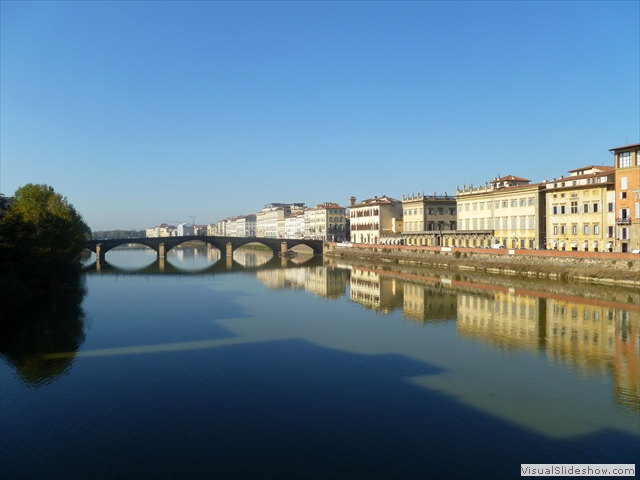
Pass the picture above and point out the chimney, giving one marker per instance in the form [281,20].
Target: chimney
[352,201]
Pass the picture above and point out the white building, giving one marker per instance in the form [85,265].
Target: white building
[185,230]
[373,218]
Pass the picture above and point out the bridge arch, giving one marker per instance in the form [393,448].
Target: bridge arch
[226,245]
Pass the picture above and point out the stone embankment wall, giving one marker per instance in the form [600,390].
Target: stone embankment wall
[595,267]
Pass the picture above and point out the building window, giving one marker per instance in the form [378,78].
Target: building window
[609,207]
[532,222]
[555,229]
[513,223]
[574,207]
[523,202]
[574,229]
[624,183]
[563,230]
[623,195]
[585,208]
[624,159]
[555,210]
[532,201]
[514,203]
[585,229]
[624,233]
[596,207]
[441,211]
[452,211]
[523,222]
[505,204]
[596,229]
[563,210]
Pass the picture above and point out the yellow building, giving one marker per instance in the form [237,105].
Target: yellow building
[509,211]
[580,213]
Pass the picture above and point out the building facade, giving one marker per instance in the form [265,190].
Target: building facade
[509,211]
[580,210]
[627,167]
[326,222]
[374,218]
[185,230]
[424,215]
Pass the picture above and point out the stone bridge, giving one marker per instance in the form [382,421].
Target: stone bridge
[226,245]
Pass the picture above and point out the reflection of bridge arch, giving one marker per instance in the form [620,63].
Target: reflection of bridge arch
[226,245]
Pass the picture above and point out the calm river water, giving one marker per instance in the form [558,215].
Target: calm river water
[305,368]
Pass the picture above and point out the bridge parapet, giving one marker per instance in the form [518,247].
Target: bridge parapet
[226,245]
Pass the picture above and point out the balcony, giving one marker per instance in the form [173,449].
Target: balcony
[623,221]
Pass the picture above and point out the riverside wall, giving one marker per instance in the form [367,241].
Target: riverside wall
[594,267]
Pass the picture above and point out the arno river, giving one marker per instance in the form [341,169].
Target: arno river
[303,368]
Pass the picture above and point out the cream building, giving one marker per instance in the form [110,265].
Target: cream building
[509,211]
[162,230]
[260,224]
[326,222]
[424,215]
[580,210]
[627,227]
[373,218]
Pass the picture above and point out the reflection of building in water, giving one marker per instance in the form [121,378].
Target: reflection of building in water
[375,291]
[428,303]
[251,258]
[213,254]
[322,281]
[327,282]
[598,338]
[591,337]
[502,319]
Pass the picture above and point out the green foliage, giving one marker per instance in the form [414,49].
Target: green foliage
[41,230]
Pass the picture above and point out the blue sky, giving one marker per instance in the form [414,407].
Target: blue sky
[144,112]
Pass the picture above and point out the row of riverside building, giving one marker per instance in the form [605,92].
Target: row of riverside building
[594,208]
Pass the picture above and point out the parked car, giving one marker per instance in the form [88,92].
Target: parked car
[497,246]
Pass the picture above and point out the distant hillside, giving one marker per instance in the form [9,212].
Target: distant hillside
[118,234]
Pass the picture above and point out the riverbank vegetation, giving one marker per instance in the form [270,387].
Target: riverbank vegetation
[41,239]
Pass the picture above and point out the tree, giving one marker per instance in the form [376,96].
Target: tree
[41,229]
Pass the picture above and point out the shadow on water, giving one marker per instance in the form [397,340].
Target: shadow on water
[300,411]
[41,314]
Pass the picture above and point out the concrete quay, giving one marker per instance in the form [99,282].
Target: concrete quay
[593,267]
